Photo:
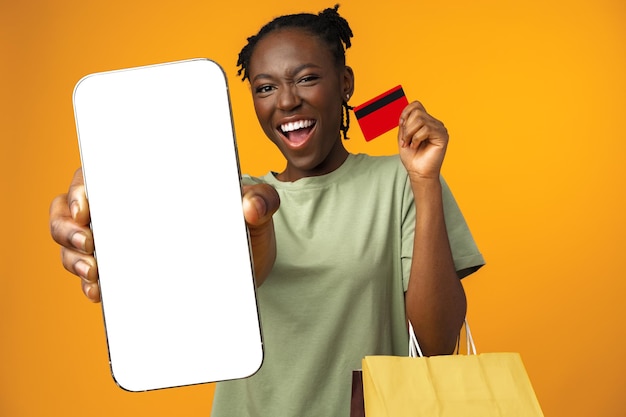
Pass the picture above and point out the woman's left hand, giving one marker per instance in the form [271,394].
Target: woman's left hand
[422,141]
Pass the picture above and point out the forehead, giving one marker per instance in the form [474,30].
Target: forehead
[287,48]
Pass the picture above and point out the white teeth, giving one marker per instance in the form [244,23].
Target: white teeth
[300,124]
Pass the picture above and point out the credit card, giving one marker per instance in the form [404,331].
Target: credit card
[382,113]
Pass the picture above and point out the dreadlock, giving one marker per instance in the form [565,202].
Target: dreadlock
[327,25]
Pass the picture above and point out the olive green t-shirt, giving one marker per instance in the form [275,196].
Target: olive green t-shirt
[336,291]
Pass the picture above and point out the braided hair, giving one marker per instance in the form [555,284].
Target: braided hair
[327,25]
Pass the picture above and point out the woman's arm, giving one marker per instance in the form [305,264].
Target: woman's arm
[435,299]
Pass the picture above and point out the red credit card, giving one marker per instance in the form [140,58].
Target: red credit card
[382,113]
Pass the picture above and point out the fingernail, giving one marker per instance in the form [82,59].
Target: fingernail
[74,209]
[87,289]
[259,205]
[82,269]
[255,203]
[78,240]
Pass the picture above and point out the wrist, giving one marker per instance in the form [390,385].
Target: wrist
[425,185]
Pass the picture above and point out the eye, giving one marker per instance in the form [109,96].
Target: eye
[264,89]
[308,79]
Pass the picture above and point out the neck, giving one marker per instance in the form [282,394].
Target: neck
[334,160]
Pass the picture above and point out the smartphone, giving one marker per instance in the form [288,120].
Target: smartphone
[163,183]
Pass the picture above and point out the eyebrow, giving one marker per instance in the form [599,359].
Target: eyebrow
[291,73]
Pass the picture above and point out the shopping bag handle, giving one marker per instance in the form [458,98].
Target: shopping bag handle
[415,350]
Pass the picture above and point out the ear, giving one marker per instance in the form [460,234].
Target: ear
[348,83]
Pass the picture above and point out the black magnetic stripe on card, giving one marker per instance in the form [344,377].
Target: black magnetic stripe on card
[378,104]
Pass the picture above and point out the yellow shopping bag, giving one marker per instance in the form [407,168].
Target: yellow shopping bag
[485,385]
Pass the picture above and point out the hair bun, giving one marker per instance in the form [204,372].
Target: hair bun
[332,16]
[330,12]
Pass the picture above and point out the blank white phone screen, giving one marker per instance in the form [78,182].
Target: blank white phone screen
[163,184]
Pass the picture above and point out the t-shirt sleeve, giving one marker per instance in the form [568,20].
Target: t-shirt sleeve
[467,257]
[250,180]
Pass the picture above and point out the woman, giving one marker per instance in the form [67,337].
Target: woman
[359,245]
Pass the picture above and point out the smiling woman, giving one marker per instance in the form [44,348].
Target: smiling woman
[321,302]
[359,245]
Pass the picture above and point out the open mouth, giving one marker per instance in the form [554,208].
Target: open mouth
[297,132]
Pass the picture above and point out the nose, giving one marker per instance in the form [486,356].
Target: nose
[288,98]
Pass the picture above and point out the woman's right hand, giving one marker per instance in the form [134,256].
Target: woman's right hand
[69,226]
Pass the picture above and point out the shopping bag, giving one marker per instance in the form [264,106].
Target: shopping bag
[472,385]
[357,405]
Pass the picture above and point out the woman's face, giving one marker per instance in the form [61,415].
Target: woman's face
[298,91]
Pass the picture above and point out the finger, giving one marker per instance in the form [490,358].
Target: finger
[421,135]
[91,291]
[65,231]
[420,126]
[410,108]
[414,121]
[260,202]
[84,266]
[435,134]
[77,199]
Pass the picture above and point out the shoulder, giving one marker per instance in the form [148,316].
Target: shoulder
[250,180]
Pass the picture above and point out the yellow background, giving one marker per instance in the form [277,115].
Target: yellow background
[532,92]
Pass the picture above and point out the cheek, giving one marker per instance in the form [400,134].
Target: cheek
[334,112]
[261,109]
[332,103]
[263,115]
[258,107]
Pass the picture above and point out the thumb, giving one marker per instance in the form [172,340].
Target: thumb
[260,202]
[77,199]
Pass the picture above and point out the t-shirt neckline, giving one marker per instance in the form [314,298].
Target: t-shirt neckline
[316,181]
